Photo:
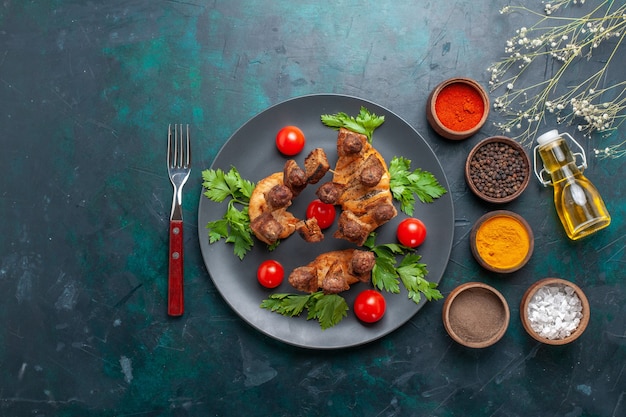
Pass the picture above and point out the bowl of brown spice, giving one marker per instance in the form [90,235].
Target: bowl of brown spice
[475,315]
[497,169]
[457,108]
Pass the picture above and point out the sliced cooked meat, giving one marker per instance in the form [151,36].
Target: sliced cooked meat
[264,217]
[316,165]
[352,229]
[372,171]
[335,280]
[279,196]
[360,185]
[258,202]
[363,262]
[362,179]
[309,230]
[294,177]
[383,212]
[304,278]
[266,228]
[332,272]
[269,218]
[329,192]
[349,143]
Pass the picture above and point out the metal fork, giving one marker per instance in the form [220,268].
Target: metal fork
[178,168]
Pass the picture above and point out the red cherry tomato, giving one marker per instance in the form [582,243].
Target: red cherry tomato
[324,213]
[290,140]
[369,306]
[411,232]
[270,274]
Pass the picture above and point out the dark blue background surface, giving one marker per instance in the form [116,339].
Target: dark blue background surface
[86,92]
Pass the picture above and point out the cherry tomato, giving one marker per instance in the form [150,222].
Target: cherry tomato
[369,306]
[270,274]
[324,213]
[290,140]
[411,232]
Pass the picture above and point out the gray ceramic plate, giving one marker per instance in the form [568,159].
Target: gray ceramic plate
[252,151]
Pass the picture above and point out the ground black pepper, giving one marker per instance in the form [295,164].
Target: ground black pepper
[497,170]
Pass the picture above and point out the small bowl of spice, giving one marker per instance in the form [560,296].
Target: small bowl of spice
[497,169]
[475,315]
[554,311]
[457,108]
[502,241]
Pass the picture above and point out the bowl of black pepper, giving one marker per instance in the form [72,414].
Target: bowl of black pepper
[497,169]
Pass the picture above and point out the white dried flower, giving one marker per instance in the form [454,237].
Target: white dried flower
[568,41]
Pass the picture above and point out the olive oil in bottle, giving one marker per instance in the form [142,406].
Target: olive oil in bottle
[578,203]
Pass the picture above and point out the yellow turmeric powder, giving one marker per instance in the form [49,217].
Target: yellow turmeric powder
[502,242]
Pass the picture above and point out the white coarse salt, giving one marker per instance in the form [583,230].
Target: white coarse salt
[554,311]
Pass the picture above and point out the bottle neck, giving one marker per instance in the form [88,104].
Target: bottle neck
[558,160]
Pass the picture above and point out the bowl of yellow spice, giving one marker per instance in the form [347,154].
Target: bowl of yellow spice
[502,241]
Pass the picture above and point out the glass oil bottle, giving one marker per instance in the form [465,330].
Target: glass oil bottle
[578,203]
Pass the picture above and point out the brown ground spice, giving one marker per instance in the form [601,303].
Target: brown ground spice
[476,315]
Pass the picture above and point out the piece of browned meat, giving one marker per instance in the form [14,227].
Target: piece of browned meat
[333,272]
[294,177]
[266,228]
[272,196]
[363,262]
[316,165]
[349,143]
[371,171]
[360,185]
[304,278]
[330,192]
[279,196]
[309,230]
[352,228]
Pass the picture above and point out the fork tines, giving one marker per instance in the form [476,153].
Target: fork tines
[180,155]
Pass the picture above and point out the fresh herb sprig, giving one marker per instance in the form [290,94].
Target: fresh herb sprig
[365,123]
[387,276]
[405,184]
[234,226]
[328,309]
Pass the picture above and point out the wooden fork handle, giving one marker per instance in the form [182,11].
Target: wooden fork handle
[175,305]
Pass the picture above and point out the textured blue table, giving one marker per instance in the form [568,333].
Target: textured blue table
[86,92]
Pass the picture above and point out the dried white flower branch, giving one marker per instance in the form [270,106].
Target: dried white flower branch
[591,105]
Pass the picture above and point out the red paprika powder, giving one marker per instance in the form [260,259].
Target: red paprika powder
[459,107]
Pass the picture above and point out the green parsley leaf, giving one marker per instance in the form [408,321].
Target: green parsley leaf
[286,304]
[387,276]
[412,274]
[234,226]
[405,183]
[328,309]
[365,123]
[384,274]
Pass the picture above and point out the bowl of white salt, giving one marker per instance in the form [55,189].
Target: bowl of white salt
[554,311]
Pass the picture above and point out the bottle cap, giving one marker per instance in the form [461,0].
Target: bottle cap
[548,137]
